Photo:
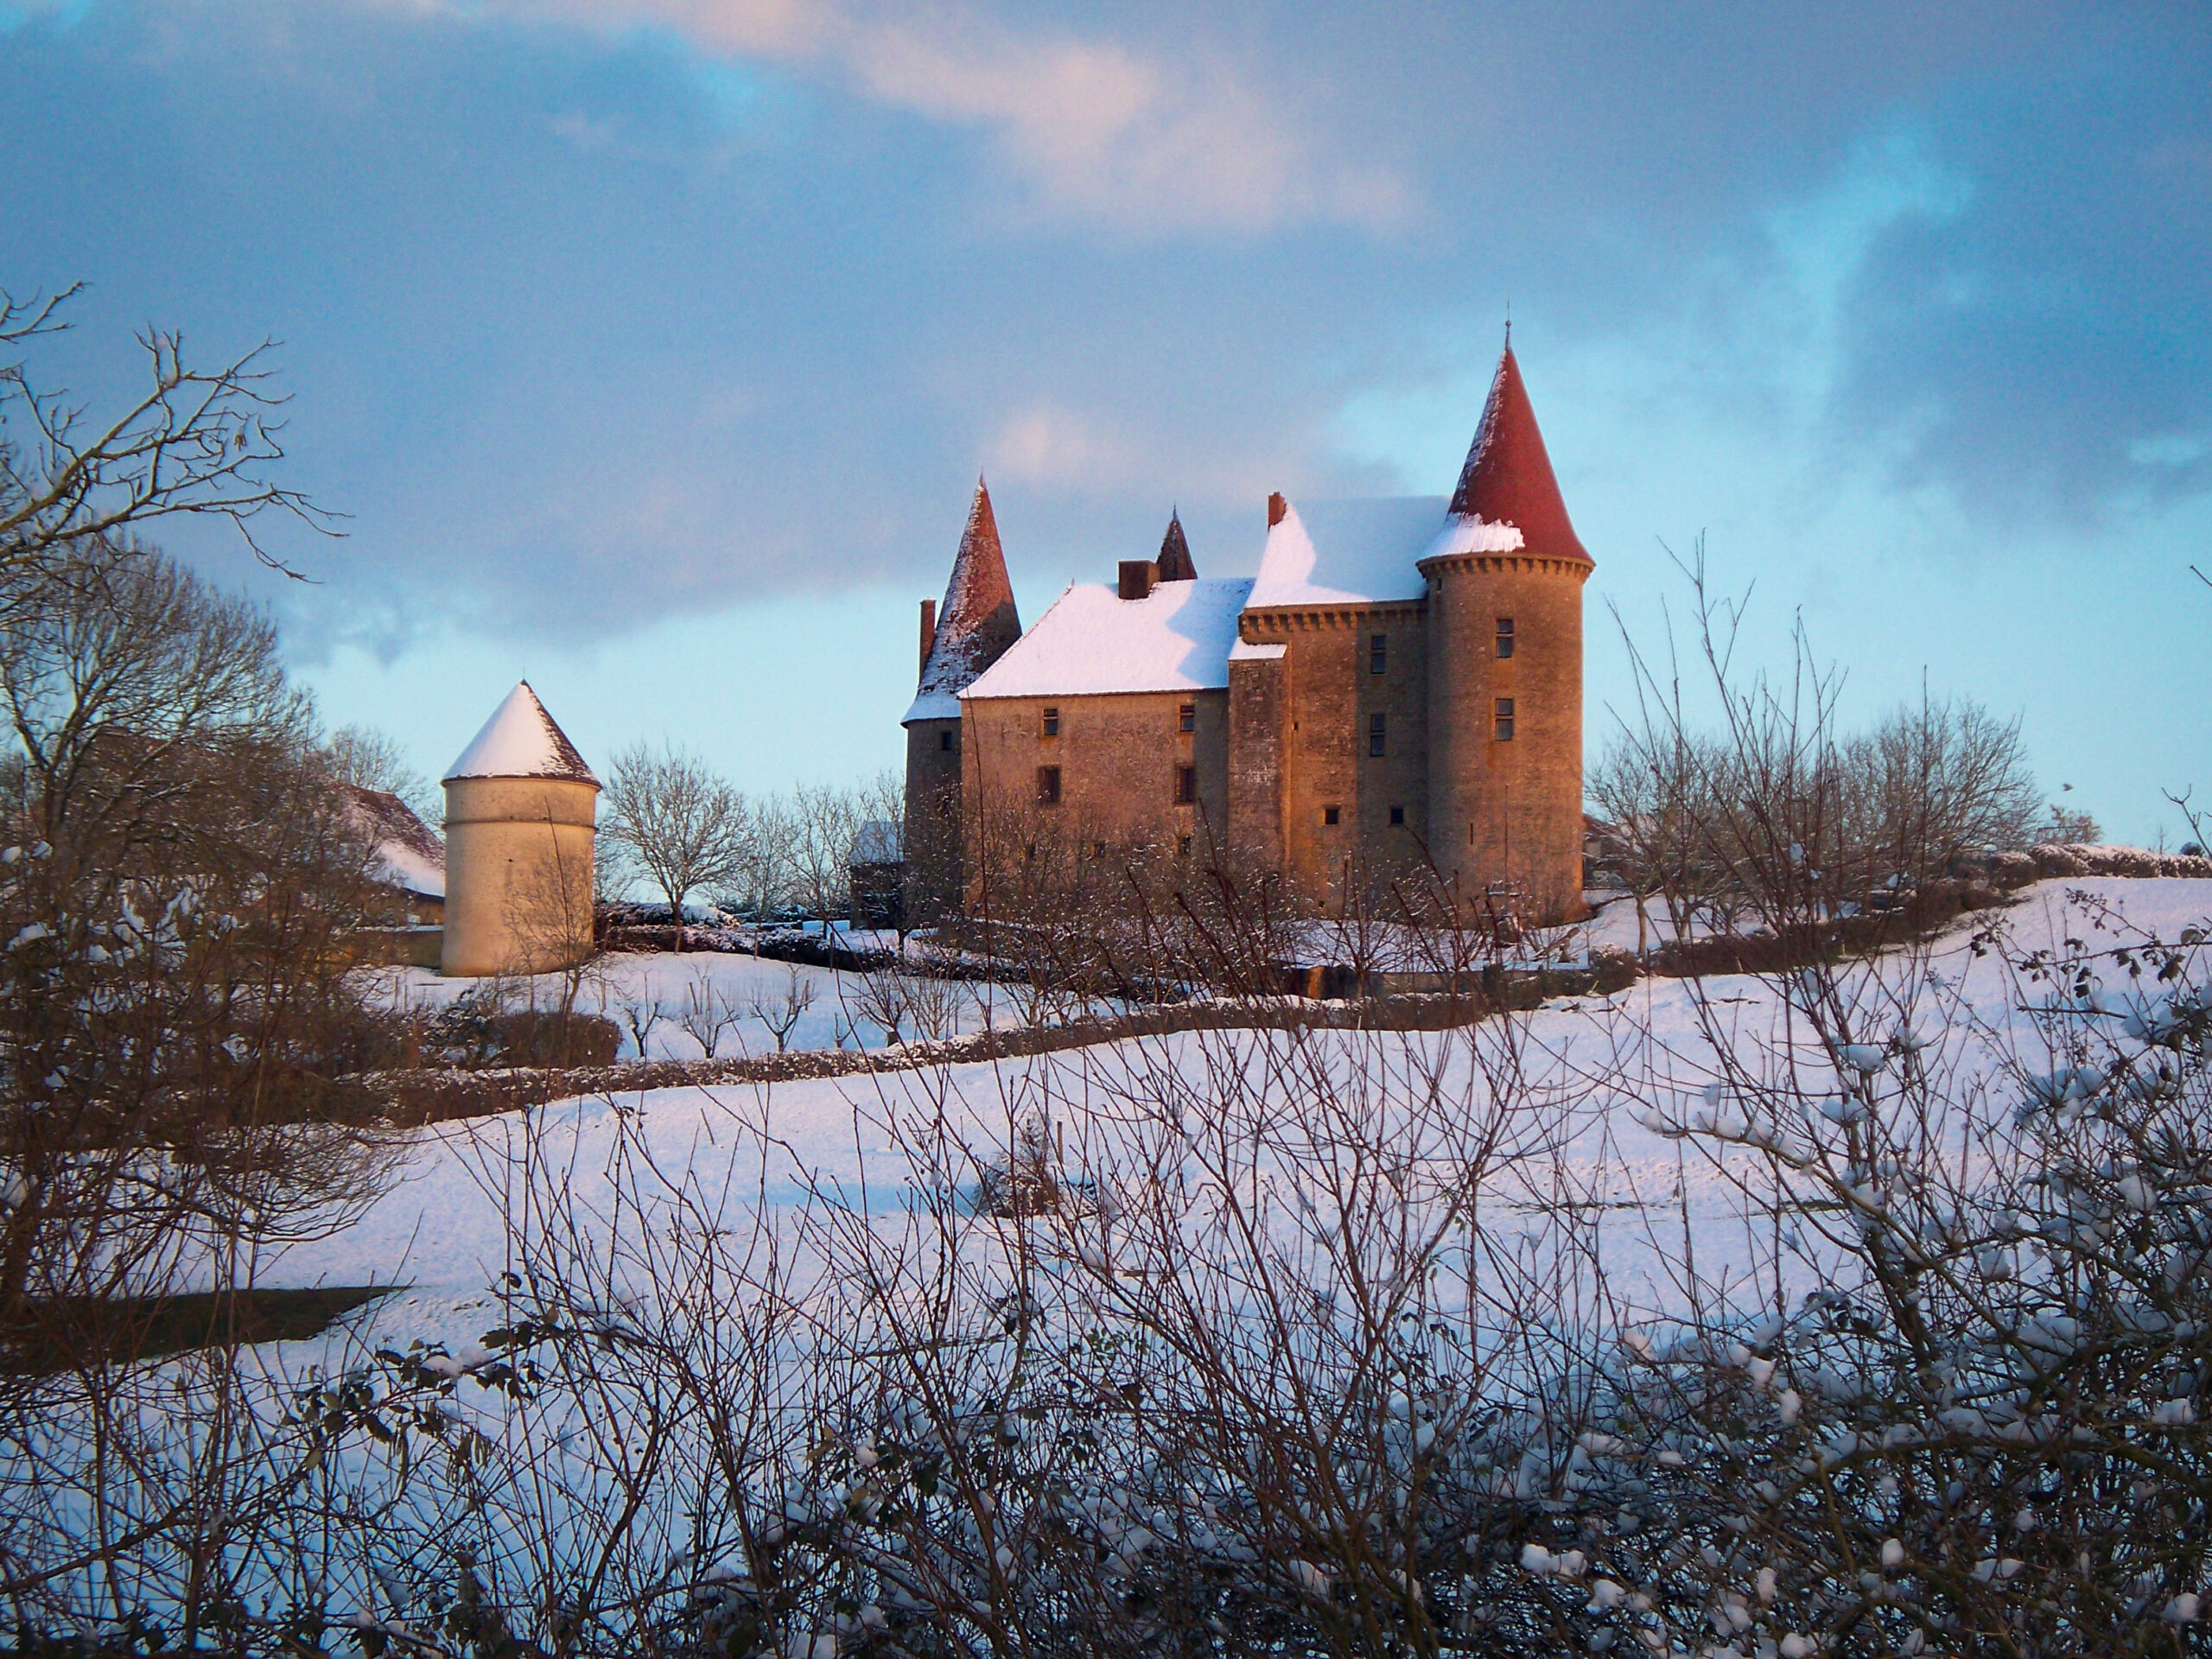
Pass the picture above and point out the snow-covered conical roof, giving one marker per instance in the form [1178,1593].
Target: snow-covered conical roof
[1175,563]
[1508,477]
[521,741]
[977,622]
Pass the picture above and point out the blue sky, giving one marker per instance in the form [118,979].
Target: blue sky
[652,346]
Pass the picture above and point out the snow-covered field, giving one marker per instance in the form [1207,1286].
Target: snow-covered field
[687,993]
[444,1229]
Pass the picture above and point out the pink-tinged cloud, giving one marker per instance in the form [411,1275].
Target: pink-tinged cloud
[1095,130]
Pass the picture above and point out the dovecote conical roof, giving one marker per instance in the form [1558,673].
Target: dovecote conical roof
[1508,477]
[1175,563]
[977,622]
[521,741]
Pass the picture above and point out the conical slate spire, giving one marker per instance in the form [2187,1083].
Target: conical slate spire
[1175,563]
[977,622]
[1508,477]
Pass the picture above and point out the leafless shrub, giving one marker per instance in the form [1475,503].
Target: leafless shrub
[639,1016]
[781,1014]
[708,1013]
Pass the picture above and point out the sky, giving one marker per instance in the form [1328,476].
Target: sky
[651,348]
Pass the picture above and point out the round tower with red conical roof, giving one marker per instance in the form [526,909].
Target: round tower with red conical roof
[1505,671]
[972,631]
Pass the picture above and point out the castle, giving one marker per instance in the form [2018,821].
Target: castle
[1399,684]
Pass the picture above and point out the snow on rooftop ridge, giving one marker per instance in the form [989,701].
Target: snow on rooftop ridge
[1474,536]
[521,741]
[977,621]
[1093,641]
[1353,552]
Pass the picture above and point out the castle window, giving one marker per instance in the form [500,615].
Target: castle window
[1378,653]
[1052,722]
[1504,720]
[1332,814]
[1397,815]
[1378,735]
[944,740]
[1182,847]
[1048,786]
[1186,785]
[1186,717]
[1098,850]
[1505,636]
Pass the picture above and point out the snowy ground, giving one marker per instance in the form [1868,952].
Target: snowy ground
[443,1229]
[685,993]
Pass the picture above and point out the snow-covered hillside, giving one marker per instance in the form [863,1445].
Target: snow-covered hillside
[444,1228]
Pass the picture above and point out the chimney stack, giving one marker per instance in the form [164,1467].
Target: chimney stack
[929,633]
[1276,508]
[1138,577]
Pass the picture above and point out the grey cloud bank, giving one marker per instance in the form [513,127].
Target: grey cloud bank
[604,315]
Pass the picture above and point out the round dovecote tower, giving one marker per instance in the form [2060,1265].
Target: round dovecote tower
[521,816]
[1505,671]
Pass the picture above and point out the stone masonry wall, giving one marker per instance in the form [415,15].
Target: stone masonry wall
[1118,756]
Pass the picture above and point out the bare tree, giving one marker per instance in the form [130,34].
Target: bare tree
[708,1012]
[683,827]
[781,1014]
[367,758]
[194,440]
[825,819]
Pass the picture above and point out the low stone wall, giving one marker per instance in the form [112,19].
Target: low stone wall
[430,1095]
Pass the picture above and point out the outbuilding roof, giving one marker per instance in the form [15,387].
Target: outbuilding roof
[1175,639]
[521,741]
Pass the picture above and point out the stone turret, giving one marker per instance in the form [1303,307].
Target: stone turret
[959,640]
[1505,667]
[521,821]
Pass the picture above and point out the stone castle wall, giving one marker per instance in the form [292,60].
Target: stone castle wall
[1118,757]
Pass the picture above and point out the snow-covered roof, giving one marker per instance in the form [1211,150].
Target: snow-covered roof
[1349,552]
[1175,639]
[408,852]
[521,741]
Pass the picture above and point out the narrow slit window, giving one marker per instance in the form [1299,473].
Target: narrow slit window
[1503,716]
[1378,735]
[1183,847]
[1048,786]
[1378,654]
[1505,636]
[1186,785]
[944,740]
[1397,815]
[1332,814]
[1052,722]
[1186,717]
